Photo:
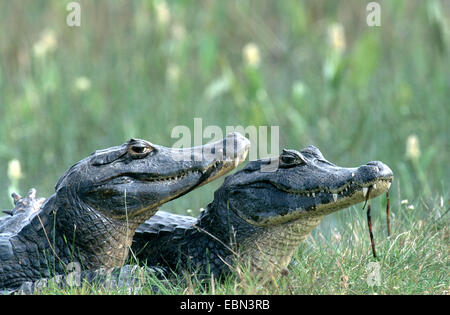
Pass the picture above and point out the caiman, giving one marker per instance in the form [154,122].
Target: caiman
[98,204]
[257,216]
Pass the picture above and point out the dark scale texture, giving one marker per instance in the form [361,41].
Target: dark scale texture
[183,243]
[28,254]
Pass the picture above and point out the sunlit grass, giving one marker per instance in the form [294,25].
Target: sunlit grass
[333,260]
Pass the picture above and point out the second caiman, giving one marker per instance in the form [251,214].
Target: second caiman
[258,217]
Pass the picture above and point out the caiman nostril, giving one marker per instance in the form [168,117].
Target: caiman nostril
[380,167]
[374,163]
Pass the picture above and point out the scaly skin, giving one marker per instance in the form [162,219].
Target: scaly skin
[98,204]
[258,217]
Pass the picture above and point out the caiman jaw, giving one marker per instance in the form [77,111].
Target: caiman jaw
[217,169]
[323,201]
[346,191]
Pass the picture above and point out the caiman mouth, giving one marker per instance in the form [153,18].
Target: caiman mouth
[150,178]
[315,202]
[377,186]
[213,171]
[186,181]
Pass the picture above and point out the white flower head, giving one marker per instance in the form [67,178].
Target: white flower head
[251,55]
[14,170]
[162,12]
[82,84]
[173,73]
[46,44]
[336,37]
[412,147]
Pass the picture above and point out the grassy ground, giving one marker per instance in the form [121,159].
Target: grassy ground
[337,259]
[313,68]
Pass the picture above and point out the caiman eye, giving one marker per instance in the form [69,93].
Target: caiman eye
[289,159]
[140,150]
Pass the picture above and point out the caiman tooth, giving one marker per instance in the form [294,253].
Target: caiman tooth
[314,195]
[365,190]
[374,186]
[236,162]
[335,196]
[389,185]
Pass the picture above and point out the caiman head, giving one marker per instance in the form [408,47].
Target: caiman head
[305,184]
[134,179]
[272,212]
[114,190]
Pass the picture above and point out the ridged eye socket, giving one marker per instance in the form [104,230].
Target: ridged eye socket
[139,150]
[290,159]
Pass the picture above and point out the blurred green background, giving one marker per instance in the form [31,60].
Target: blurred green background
[140,68]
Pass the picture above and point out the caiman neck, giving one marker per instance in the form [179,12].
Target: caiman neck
[272,248]
[263,248]
[97,241]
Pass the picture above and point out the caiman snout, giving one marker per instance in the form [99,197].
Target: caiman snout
[228,154]
[374,170]
[374,175]
[232,148]
[236,147]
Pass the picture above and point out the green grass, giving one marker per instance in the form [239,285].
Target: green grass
[335,259]
[125,73]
